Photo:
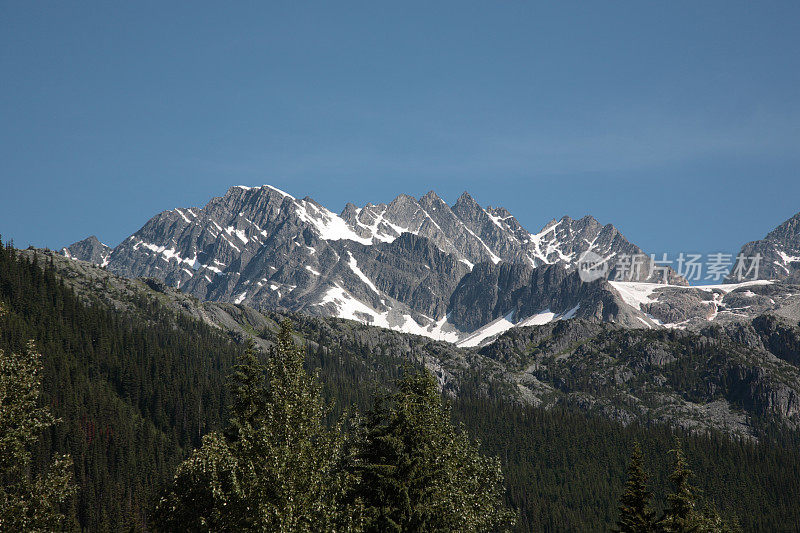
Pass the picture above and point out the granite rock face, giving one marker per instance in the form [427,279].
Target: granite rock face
[720,377]
[89,249]
[462,273]
[779,252]
[520,291]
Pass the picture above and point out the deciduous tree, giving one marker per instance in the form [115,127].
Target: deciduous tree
[28,503]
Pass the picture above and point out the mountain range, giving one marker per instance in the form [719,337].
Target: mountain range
[461,273]
[723,375]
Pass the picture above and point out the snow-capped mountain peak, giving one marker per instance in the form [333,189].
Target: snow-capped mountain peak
[398,265]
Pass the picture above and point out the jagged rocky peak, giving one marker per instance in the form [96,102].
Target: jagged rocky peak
[565,242]
[778,253]
[396,264]
[403,208]
[503,219]
[500,212]
[432,198]
[89,249]
[255,203]
[787,233]
[435,206]
[469,211]
[568,229]
[465,201]
[350,213]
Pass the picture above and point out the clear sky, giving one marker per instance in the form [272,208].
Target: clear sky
[679,122]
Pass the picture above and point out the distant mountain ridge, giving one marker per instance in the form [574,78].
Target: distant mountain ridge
[415,265]
[89,249]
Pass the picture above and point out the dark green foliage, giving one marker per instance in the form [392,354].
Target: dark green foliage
[635,513]
[135,391]
[28,502]
[276,469]
[681,515]
[417,472]
[564,471]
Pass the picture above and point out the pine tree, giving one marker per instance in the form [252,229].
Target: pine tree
[28,503]
[681,515]
[276,468]
[635,514]
[417,472]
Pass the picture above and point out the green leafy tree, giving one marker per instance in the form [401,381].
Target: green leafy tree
[635,513]
[417,472]
[712,522]
[206,494]
[276,468]
[28,503]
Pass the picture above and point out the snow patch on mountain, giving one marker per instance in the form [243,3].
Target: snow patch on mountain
[230,230]
[353,309]
[357,271]
[328,224]
[177,210]
[786,260]
[168,254]
[492,329]
[636,294]
[538,319]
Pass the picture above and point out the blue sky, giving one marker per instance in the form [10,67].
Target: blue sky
[679,122]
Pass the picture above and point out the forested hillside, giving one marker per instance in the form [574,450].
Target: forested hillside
[137,388]
[134,395]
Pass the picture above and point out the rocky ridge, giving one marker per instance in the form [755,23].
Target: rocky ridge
[395,265]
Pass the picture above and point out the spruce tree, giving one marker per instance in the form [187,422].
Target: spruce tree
[28,503]
[277,468]
[681,515]
[635,513]
[417,472]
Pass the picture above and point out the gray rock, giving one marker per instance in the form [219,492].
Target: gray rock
[89,249]
[779,251]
